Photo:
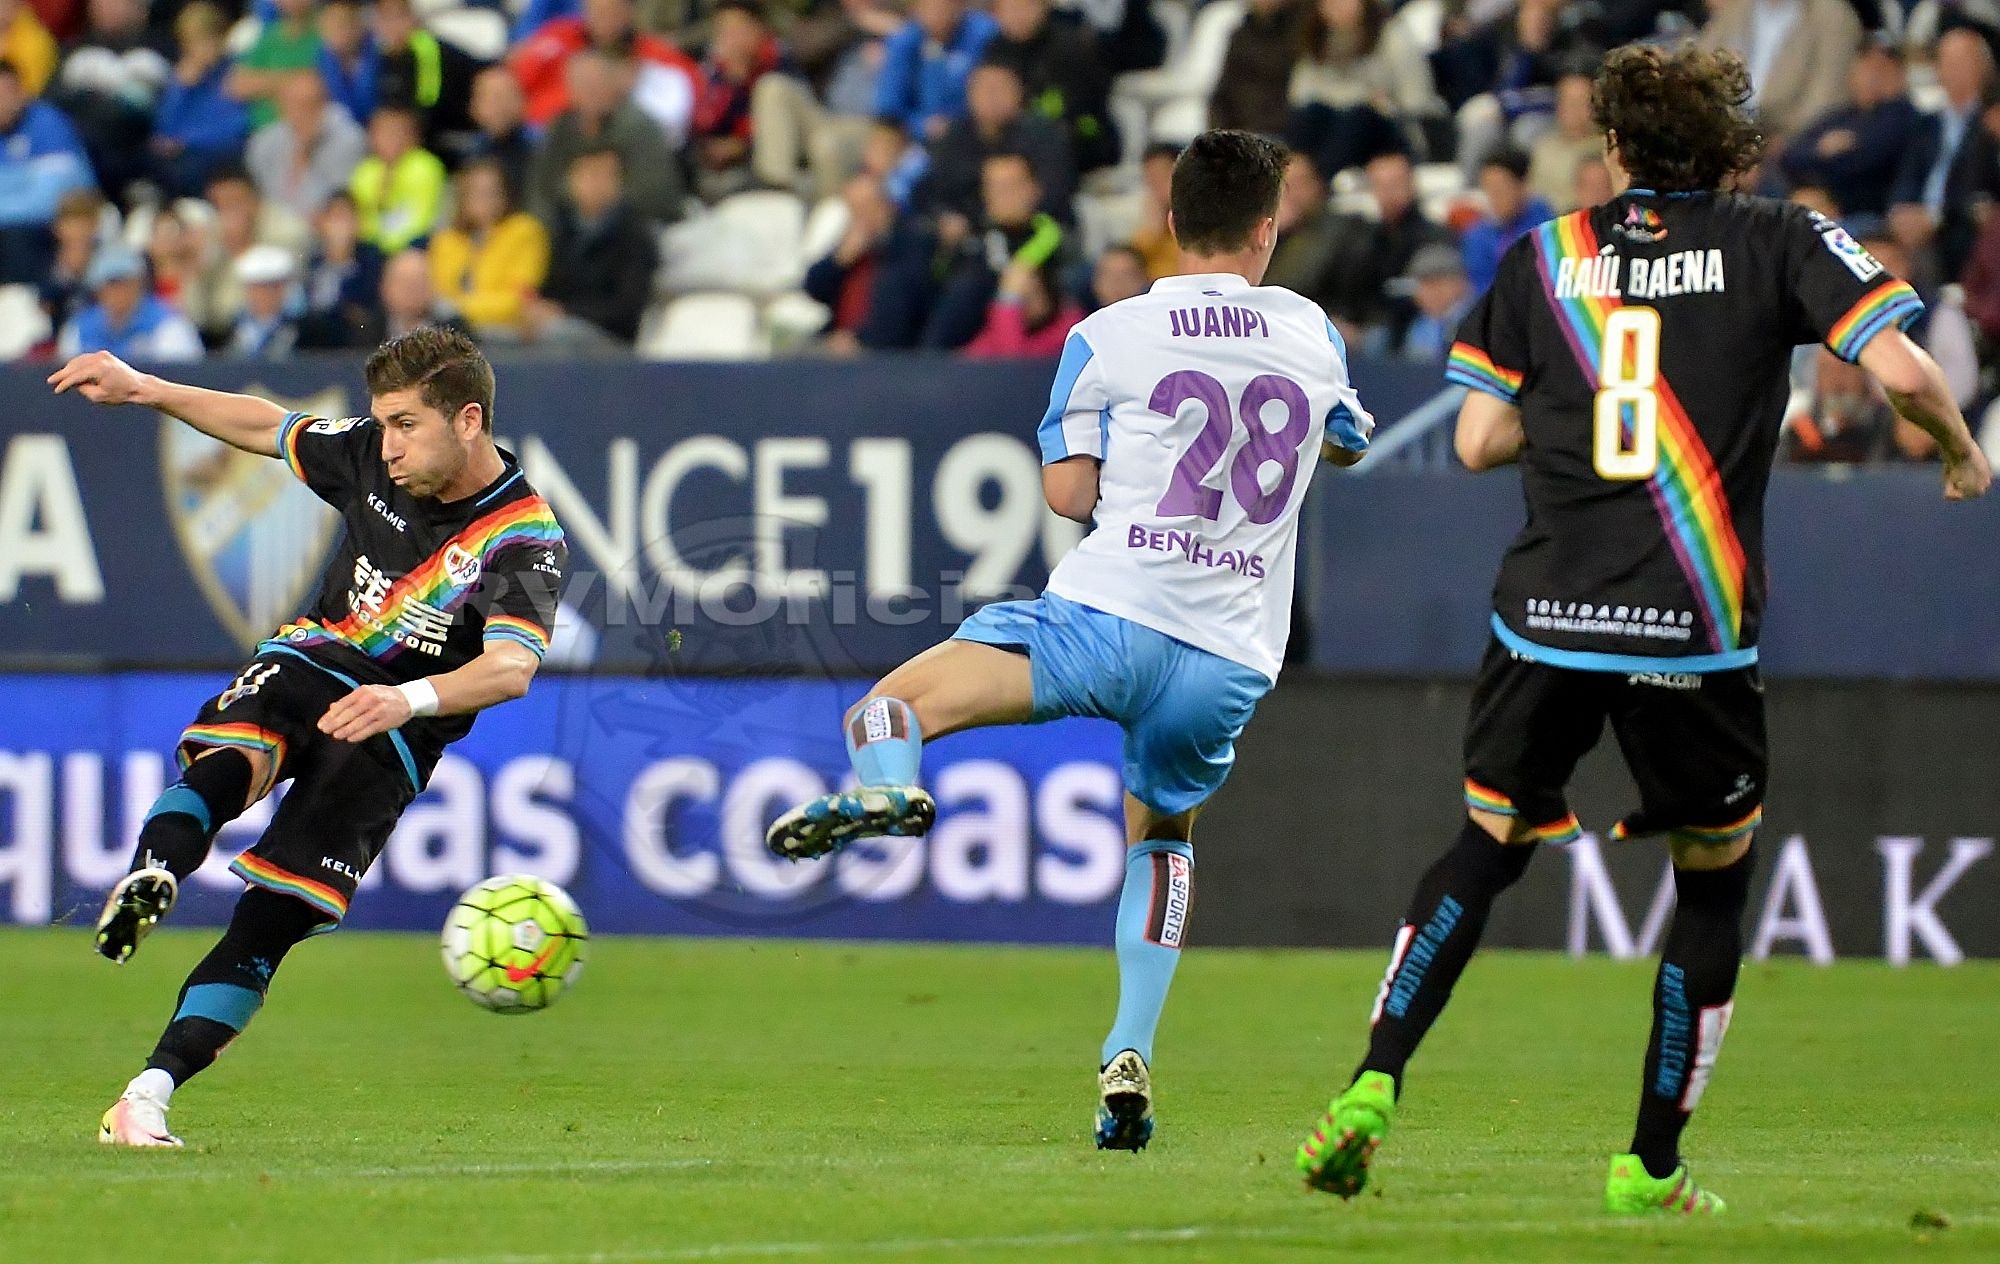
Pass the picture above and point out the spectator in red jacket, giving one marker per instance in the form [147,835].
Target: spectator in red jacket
[665,86]
[741,51]
[1027,318]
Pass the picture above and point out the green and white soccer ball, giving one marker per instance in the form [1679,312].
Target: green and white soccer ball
[514,943]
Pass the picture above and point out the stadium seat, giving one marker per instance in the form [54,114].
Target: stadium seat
[428,9]
[23,323]
[481,33]
[791,321]
[1423,22]
[1439,179]
[1189,74]
[1180,121]
[711,326]
[751,243]
[825,226]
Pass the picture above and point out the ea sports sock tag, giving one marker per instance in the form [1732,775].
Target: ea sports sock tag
[885,743]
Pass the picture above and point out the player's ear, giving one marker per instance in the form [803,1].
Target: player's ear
[470,421]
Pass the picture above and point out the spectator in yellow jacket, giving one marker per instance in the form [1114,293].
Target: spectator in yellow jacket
[493,257]
[399,187]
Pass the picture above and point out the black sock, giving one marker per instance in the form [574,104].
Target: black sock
[1691,1005]
[1438,936]
[226,989]
[211,793]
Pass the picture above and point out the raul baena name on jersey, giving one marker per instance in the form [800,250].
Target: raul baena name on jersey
[1617,276]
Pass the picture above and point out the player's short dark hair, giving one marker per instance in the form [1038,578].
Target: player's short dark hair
[1678,116]
[442,364]
[1225,183]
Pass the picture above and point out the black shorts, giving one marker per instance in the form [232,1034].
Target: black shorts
[1694,745]
[344,798]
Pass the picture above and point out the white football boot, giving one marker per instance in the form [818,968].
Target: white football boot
[138,1118]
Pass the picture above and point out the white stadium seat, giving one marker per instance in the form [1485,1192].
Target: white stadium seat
[824,228]
[707,327]
[23,323]
[1189,74]
[482,33]
[751,242]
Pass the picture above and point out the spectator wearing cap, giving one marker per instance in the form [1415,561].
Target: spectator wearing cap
[434,77]
[741,52]
[1797,51]
[243,218]
[1029,317]
[1251,93]
[284,48]
[492,258]
[1357,75]
[1856,149]
[997,121]
[602,256]
[601,115]
[1574,138]
[199,126]
[26,45]
[343,279]
[1065,81]
[399,187]
[1436,282]
[264,328]
[41,159]
[1953,166]
[78,219]
[662,77]
[124,319]
[1511,210]
[306,153]
[926,62]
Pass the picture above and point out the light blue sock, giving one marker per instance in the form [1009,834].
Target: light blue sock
[885,743]
[1152,918]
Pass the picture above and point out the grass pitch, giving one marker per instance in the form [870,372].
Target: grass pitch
[763,1101]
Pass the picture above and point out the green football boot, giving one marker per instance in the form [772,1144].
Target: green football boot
[1335,1157]
[1629,1191]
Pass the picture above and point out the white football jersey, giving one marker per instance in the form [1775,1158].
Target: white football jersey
[1206,400]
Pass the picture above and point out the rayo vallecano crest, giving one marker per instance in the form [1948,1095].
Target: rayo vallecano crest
[255,538]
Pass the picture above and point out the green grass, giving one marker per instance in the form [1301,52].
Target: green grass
[696,1101]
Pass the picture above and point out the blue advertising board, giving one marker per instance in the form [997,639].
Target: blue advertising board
[646,799]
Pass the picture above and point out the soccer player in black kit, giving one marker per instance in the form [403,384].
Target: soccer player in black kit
[438,603]
[1633,358]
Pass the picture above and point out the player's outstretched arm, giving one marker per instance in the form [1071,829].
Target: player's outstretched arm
[501,673]
[1489,432]
[241,421]
[1918,392]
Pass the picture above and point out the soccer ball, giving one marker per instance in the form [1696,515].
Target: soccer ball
[513,943]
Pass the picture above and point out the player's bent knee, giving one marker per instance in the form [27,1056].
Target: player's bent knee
[1700,854]
[1146,824]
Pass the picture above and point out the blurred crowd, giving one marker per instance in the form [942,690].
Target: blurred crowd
[253,177]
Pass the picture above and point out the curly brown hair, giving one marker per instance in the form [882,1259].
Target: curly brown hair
[1677,116]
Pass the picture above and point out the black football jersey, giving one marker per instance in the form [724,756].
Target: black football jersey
[418,586]
[1647,343]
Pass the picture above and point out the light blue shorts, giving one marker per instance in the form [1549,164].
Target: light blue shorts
[1182,708]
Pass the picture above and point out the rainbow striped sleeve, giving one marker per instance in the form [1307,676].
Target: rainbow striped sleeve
[1890,305]
[1469,366]
[507,627]
[289,430]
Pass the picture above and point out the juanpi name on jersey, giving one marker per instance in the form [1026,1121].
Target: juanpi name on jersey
[1189,545]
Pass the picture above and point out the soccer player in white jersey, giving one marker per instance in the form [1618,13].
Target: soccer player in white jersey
[1183,427]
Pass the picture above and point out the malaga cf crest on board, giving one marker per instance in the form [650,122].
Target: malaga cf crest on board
[254,537]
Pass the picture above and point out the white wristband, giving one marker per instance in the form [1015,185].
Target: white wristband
[422,696]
